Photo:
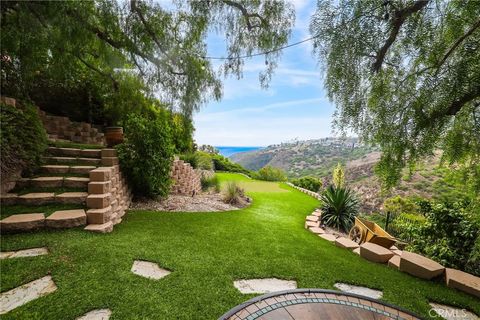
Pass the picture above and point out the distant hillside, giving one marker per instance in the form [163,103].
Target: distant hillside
[319,157]
[302,158]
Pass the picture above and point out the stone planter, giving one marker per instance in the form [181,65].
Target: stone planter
[113,136]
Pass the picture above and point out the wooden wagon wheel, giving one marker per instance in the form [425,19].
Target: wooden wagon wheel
[356,234]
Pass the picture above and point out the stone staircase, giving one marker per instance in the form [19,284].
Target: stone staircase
[89,179]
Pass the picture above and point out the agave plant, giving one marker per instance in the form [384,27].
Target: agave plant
[339,206]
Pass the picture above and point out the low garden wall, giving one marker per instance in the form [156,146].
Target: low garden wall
[186,181]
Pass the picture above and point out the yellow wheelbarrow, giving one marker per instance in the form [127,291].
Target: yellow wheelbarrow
[367,231]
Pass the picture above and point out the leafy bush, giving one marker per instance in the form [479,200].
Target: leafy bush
[233,193]
[198,160]
[448,235]
[269,173]
[146,155]
[339,206]
[309,183]
[23,138]
[210,182]
[397,205]
[221,163]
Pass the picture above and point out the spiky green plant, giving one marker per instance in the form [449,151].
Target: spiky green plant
[339,206]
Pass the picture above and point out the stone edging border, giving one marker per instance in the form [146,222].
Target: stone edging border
[310,193]
[277,305]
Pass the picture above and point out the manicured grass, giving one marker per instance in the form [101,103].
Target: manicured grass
[206,252]
[47,209]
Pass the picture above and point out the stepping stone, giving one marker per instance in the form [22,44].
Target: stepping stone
[100,228]
[19,296]
[54,169]
[328,237]
[394,262]
[311,224]
[72,197]
[76,182]
[100,314]
[81,169]
[375,253]
[420,266]
[8,198]
[23,222]
[363,291]
[149,270]
[317,230]
[24,253]
[264,285]
[346,243]
[37,198]
[313,218]
[47,182]
[317,213]
[357,251]
[463,281]
[452,313]
[66,219]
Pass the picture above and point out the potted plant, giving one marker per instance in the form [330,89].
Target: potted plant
[113,136]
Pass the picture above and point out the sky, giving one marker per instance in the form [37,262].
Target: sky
[294,107]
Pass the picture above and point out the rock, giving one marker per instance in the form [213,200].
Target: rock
[311,224]
[264,285]
[346,243]
[37,198]
[23,222]
[47,182]
[72,197]
[463,281]
[357,251]
[98,201]
[8,199]
[394,262]
[363,291]
[375,253]
[317,230]
[106,227]
[149,270]
[76,182]
[26,253]
[55,169]
[19,296]
[81,169]
[66,219]
[313,218]
[100,314]
[420,266]
[328,237]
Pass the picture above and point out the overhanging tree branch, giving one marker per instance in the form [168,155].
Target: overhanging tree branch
[399,17]
[247,15]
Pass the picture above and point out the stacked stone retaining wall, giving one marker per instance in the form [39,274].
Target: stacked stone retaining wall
[186,181]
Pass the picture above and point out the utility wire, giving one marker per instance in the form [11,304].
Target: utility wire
[261,53]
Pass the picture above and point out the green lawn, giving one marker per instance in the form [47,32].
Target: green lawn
[206,252]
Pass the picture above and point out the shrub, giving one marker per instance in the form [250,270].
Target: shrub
[269,173]
[309,183]
[23,138]
[146,155]
[233,193]
[339,206]
[397,205]
[204,161]
[220,163]
[190,158]
[210,182]
[448,235]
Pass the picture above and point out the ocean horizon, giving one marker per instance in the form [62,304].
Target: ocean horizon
[229,151]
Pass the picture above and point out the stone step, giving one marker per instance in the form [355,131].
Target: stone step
[76,182]
[81,169]
[72,197]
[41,198]
[100,228]
[420,266]
[8,199]
[66,219]
[99,216]
[74,152]
[22,222]
[54,182]
[46,182]
[36,198]
[54,168]
[71,160]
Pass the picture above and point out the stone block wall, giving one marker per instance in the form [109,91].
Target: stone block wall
[108,193]
[186,181]
[64,129]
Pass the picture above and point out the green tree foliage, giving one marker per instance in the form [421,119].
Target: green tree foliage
[339,208]
[23,138]
[338,177]
[404,75]
[448,234]
[221,163]
[146,154]
[269,173]
[122,51]
[309,183]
